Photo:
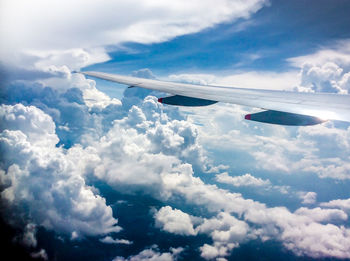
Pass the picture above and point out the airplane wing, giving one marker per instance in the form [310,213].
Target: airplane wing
[281,107]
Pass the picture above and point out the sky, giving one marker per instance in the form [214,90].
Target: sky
[95,170]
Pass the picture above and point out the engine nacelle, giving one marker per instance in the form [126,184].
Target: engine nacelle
[185,101]
[283,118]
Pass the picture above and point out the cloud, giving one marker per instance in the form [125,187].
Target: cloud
[338,203]
[110,240]
[257,80]
[307,151]
[308,197]
[327,70]
[338,53]
[137,144]
[322,215]
[216,251]
[29,237]
[324,238]
[328,77]
[311,158]
[45,179]
[153,254]
[75,58]
[144,73]
[130,155]
[226,232]
[90,25]
[164,177]
[31,121]
[261,80]
[297,231]
[321,149]
[140,146]
[174,221]
[244,180]
[202,79]
[302,234]
[29,142]
[40,254]
[167,177]
[70,107]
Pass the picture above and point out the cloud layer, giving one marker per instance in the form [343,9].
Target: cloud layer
[58,131]
[137,144]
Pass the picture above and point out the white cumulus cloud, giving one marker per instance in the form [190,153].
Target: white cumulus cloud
[308,197]
[45,179]
[244,180]
[153,253]
[338,203]
[174,221]
[110,240]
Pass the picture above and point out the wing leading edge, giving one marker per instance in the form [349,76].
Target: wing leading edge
[321,106]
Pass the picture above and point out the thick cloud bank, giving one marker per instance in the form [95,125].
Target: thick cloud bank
[52,139]
[45,179]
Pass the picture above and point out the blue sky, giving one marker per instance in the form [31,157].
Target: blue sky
[263,42]
[91,169]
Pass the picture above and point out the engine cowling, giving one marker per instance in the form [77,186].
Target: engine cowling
[283,118]
[180,100]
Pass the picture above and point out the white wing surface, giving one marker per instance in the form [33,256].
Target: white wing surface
[324,106]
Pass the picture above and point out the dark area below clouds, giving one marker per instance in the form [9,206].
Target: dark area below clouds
[137,220]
